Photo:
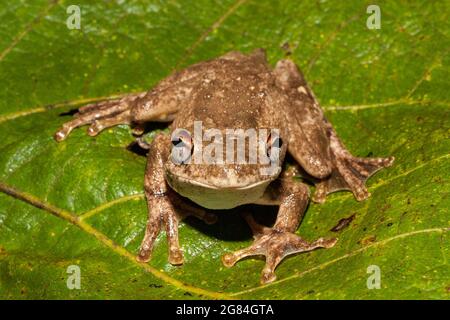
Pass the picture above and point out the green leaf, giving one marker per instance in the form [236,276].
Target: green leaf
[80,202]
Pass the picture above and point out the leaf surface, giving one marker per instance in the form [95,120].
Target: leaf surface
[81,202]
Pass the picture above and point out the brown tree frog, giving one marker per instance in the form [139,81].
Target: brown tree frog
[234,92]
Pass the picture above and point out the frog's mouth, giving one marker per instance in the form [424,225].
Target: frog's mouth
[216,197]
[214,187]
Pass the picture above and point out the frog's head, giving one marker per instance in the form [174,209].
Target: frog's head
[220,159]
[228,168]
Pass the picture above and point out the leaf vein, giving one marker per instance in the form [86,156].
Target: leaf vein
[27,29]
[345,256]
[214,26]
[75,220]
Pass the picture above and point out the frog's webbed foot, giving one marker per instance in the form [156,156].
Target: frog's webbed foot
[168,210]
[275,244]
[350,173]
[185,208]
[100,116]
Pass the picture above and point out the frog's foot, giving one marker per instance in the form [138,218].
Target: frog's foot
[168,210]
[275,245]
[350,173]
[100,116]
[186,209]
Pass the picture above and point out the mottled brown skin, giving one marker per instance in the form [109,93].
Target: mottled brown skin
[235,91]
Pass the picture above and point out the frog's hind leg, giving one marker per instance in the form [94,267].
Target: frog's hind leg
[188,209]
[349,172]
[325,157]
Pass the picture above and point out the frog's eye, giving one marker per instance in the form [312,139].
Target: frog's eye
[182,146]
[274,144]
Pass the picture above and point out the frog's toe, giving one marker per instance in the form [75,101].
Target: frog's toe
[144,255]
[186,209]
[151,232]
[61,134]
[201,214]
[96,106]
[275,246]
[99,116]
[99,125]
[350,173]
[176,257]
[138,129]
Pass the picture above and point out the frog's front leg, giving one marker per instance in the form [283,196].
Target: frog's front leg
[349,172]
[279,241]
[165,207]
[159,105]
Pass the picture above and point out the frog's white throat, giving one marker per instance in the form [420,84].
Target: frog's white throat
[214,197]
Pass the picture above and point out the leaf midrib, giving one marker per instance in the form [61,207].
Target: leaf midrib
[76,221]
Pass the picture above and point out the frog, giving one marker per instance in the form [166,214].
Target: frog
[234,91]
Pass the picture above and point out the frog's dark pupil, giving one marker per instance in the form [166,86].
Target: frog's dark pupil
[277,142]
[177,143]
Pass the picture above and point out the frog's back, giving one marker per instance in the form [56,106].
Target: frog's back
[236,91]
